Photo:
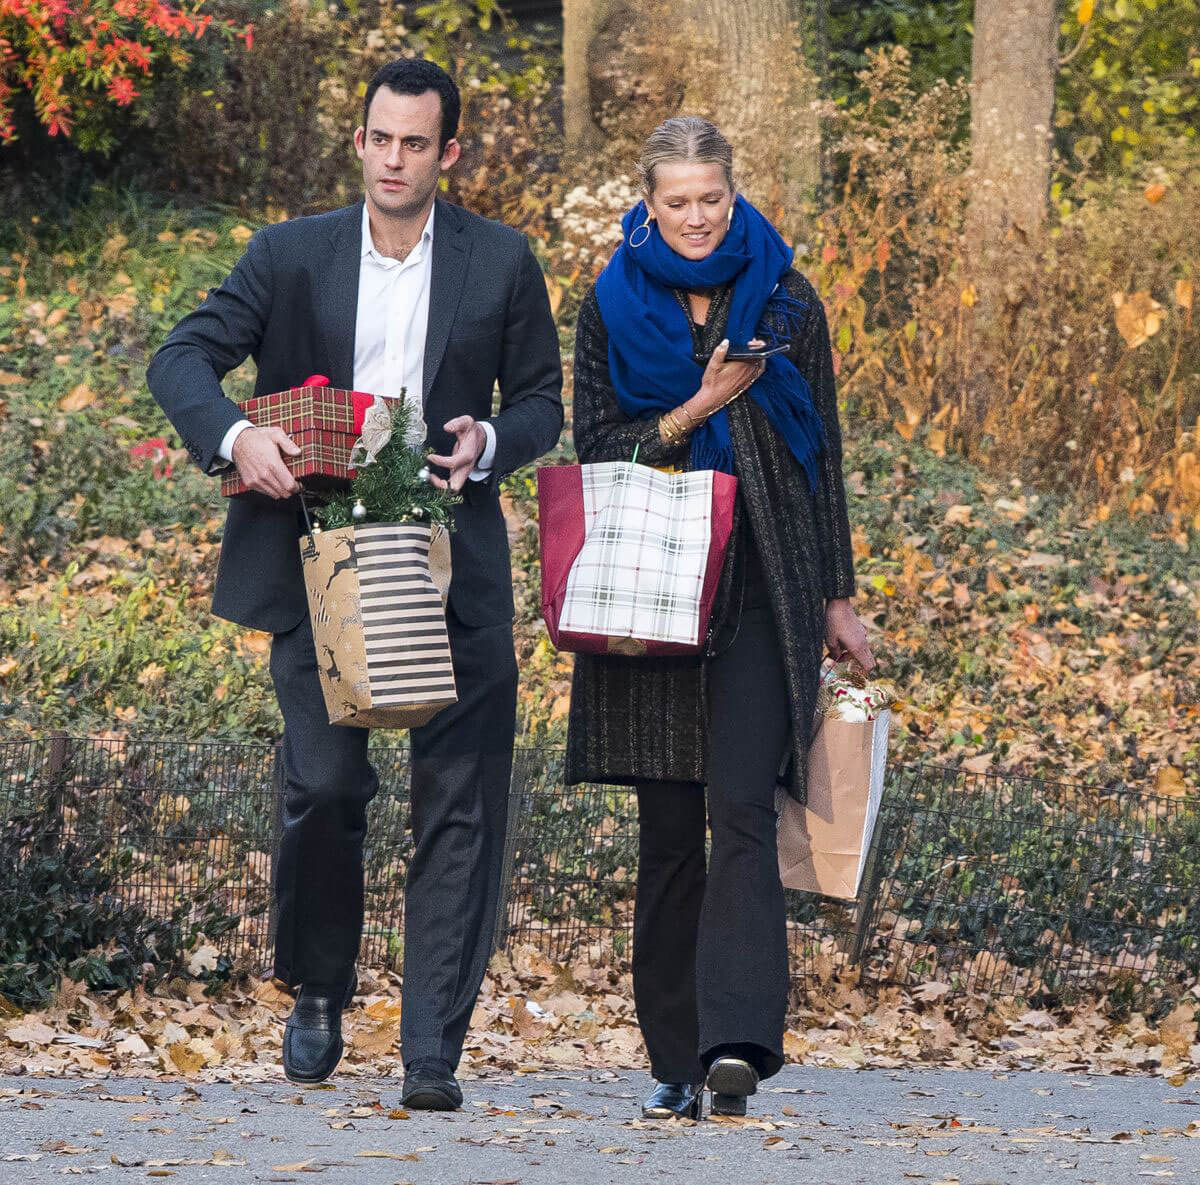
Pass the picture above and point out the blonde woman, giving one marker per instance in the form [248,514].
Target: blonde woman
[701,273]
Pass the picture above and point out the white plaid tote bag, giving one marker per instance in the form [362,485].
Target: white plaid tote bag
[631,555]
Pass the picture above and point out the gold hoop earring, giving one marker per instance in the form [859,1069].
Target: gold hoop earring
[646,227]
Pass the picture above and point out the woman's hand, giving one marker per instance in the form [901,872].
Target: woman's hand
[845,635]
[722,381]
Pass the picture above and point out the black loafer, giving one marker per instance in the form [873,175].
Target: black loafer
[731,1079]
[684,1100]
[312,1037]
[430,1085]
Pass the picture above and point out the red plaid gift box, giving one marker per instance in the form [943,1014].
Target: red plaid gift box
[324,421]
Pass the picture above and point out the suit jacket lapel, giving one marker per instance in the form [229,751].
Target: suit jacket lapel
[338,296]
[451,251]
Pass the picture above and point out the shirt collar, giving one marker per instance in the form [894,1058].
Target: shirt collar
[368,244]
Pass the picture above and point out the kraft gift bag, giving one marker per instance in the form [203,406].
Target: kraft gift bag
[377,596]
[823,845]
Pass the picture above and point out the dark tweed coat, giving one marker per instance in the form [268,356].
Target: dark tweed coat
[645,718]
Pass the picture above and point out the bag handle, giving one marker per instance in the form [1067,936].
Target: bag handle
[307,520]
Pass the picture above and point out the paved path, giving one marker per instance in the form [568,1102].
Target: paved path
[830,1127]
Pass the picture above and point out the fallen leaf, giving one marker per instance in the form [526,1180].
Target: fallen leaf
[1139,317]
[185,1059]
[1169,781]
[80,397]
[205,957]
[113,248]
[30,1032]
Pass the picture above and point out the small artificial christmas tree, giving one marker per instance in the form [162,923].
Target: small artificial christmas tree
[391,484]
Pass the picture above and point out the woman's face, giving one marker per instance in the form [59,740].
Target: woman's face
[691,203]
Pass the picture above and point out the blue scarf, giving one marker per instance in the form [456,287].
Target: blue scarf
[650,343]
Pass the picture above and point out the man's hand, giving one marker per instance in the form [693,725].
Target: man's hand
[468,448]
[258,454]
[845,635]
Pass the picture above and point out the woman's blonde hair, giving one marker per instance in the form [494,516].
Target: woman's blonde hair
[684,138]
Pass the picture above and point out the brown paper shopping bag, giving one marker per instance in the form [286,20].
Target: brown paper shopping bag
[823,846]
[377,598]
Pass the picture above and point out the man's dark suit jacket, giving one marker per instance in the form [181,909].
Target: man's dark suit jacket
[291,302]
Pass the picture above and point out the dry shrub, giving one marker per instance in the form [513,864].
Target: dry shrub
[512,149]
[248,127]
[1104,382]
[1094,397]
[271,128]
[886,244]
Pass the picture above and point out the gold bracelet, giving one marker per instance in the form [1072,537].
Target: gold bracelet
[692,422]
[670,429]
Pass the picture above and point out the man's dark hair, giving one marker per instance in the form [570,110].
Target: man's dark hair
[415,76]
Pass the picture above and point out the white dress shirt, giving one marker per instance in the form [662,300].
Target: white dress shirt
[389,337]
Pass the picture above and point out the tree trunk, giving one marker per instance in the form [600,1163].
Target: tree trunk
[740,65]
[1014,61]
[748,75]
[582,20]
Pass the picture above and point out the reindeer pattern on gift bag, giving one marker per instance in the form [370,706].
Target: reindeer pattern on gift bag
[347,563]
[334,604]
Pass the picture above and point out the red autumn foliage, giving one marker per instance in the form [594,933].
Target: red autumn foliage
[153,451]
[78,59]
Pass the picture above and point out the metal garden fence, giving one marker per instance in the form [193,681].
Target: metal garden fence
[988,882]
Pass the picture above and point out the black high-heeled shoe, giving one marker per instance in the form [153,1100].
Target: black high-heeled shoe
[684,1100]
[731,1079]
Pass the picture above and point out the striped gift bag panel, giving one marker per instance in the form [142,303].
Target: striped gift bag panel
[403,617]
[376,598]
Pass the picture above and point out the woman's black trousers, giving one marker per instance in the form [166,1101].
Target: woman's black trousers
[710,965]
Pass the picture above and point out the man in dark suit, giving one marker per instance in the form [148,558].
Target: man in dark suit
[408,296]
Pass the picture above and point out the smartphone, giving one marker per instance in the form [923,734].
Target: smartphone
[745,354]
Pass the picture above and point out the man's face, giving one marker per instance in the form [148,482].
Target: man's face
[399,151]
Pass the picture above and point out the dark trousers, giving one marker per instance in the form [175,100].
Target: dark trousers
[461,767]
[710,964]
